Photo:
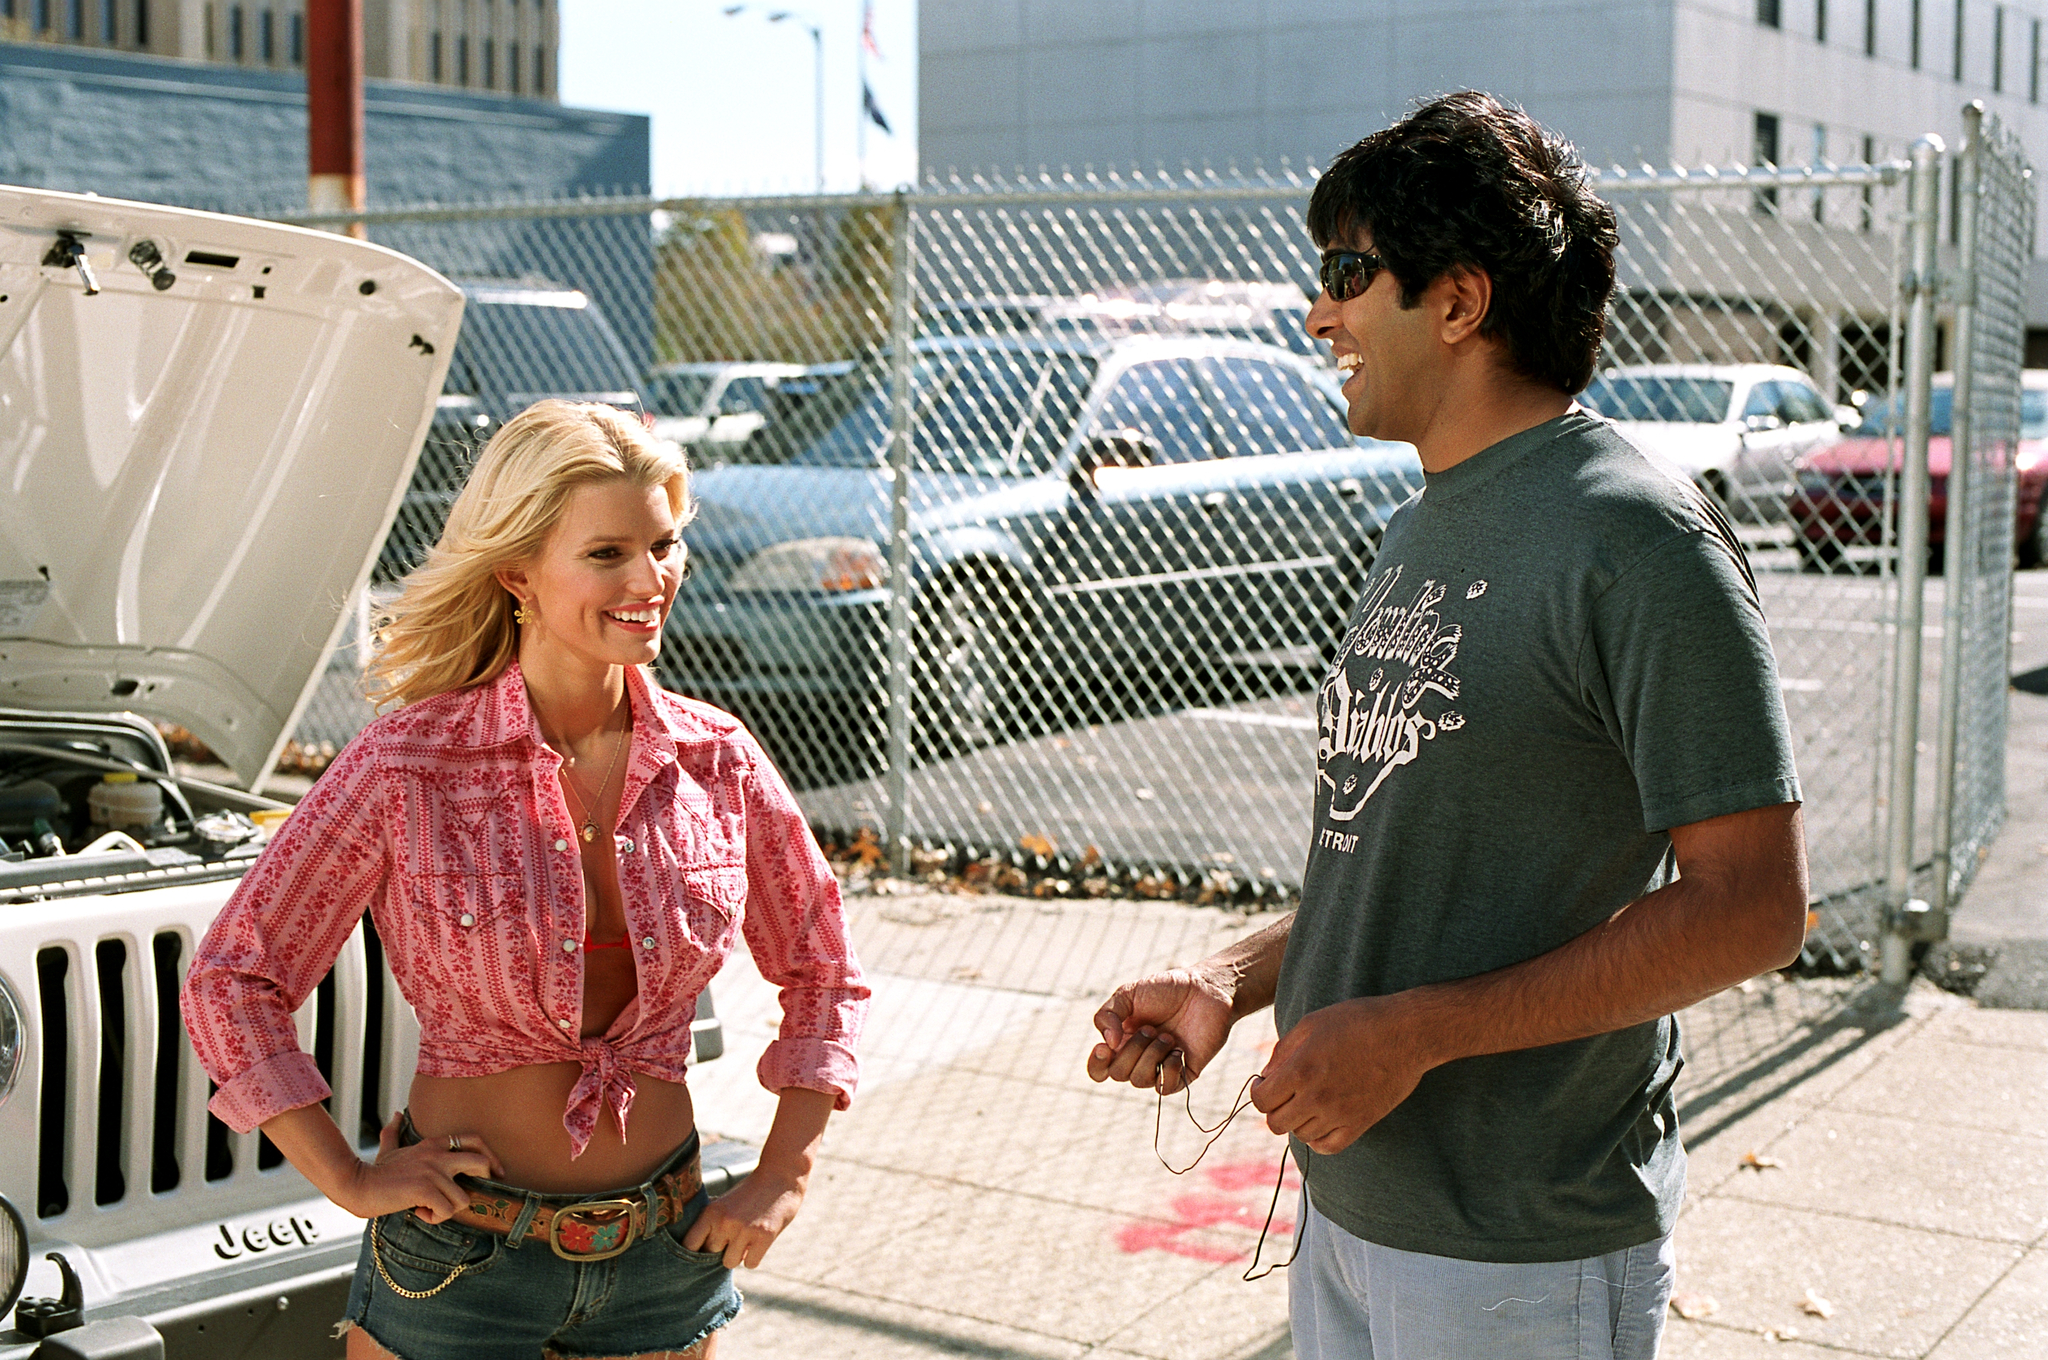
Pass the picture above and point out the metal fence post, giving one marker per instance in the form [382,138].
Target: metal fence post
[897,774]
[1958,538]
[1901,911]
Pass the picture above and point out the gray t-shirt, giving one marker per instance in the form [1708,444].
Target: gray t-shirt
[1559,656]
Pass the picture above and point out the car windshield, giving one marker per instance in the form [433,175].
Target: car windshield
[1668,398]
[678,394]
[539,343]
[983,412]
[1888,416]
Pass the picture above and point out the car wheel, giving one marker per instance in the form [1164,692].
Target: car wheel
[965,674]
[2034,547]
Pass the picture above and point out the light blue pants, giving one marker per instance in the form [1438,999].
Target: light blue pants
[1351,1300]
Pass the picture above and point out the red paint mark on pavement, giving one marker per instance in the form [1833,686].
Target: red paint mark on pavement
[1255,1174]
[1190,1213]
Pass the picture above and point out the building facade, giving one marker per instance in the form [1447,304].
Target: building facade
[499,46]
[1122,83]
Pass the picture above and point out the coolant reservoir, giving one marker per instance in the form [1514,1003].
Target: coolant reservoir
[120,800]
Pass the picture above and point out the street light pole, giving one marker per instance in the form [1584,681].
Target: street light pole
[817,33]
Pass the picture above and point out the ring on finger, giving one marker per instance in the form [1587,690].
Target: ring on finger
[455,1142]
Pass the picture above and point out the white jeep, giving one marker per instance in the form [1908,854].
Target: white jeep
[206,427]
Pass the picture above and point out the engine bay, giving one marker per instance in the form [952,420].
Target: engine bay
[92,803]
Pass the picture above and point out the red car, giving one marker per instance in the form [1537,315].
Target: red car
[1839,505]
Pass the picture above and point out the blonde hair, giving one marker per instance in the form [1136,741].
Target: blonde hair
[451,626]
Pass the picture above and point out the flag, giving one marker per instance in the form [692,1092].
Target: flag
[867,29]
[873,110]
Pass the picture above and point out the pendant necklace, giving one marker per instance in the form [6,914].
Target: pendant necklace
[589,829]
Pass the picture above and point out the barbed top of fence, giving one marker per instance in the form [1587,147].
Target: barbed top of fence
[1617,180]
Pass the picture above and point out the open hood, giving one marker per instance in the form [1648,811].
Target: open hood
[201,458]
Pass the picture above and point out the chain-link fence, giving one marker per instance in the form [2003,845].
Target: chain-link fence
[1028,514]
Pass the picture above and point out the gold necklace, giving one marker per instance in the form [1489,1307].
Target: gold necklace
[589,830]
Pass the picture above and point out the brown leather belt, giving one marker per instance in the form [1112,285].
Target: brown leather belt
[578,1227]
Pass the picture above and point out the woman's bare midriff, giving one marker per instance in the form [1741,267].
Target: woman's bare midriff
[518,1114]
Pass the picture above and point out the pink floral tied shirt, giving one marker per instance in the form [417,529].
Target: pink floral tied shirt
[445,820]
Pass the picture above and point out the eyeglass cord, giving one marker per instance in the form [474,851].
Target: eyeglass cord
[1215,1132]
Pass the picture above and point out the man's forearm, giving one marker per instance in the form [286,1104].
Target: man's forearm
[1249,971]
[1678,945]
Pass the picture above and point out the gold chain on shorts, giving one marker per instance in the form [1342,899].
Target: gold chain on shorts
[377,1257]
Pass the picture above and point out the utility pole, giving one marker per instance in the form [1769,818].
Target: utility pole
[334,108]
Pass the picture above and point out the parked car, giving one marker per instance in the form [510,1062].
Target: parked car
[1735,429]
[1075,506]
[713,407]
[521,340]
[207,423]
[1267,313]
[1840,503]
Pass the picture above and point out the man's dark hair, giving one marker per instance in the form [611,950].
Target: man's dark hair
[1467,182]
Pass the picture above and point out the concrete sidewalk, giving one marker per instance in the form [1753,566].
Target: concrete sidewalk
[1888,1153]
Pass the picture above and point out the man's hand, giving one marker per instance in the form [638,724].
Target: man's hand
[1339,1072]
[1161,1030]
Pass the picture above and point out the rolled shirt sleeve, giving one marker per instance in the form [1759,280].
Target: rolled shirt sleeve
[796,931]
[277,937]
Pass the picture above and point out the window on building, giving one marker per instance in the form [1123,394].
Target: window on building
[42,24]
[206,25]
[142,23]
[298,38]
[512,64]
[1820,157]
[1764,151]
[490,65]
[1869,28]
[434,57]
[462,59]
[2034,64]
[74,20]
[540,67]
[1916,35]
[1820,21]
[1770,13]
[236,51]
[1958,65]
[110,23]
[1998,50]
[266,36]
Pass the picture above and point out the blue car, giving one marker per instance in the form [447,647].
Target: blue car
[1076,506]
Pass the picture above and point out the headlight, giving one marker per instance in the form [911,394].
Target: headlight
[811,564]
[12,1034]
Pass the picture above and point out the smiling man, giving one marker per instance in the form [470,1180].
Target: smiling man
[1555,797]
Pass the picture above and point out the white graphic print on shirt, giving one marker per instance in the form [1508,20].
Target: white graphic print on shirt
[1371,718]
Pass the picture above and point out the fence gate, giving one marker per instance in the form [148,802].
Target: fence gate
[1027,515]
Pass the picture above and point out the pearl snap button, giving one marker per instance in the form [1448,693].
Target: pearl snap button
[467,919]
[625,845]
[561,845]
[647,943]
[568,946]
[563,1023]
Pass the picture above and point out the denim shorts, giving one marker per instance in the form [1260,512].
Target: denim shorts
[511,1302]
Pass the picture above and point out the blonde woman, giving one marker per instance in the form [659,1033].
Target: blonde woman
[557,856]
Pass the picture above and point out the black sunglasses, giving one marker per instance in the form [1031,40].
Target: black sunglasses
[1347,273]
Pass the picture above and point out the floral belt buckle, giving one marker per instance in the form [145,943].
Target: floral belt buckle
[595,1230]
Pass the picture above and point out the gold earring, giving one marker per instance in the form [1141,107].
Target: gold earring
[521,614]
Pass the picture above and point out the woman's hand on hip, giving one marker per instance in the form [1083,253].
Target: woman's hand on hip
[420,1177]
[745,1222]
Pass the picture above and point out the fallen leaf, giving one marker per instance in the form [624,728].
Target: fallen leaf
[1814,1305]
[1038,845]
[1746,985]
[966,973]
[1144,795]
[1090,857]
[984,807]
[1759,1161]
[1781,1333]
[1694,1306]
